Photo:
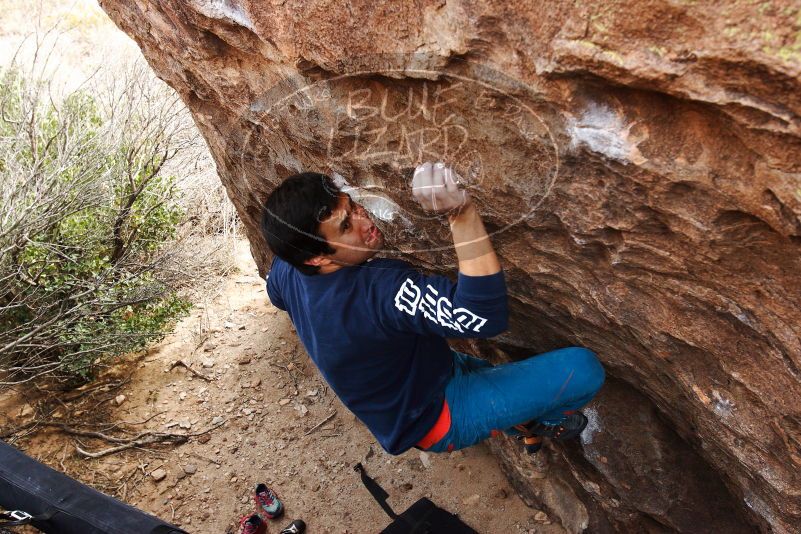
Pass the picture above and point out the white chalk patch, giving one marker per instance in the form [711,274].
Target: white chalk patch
[741,315]
[224,9]
[759,506]
[743,318]
[723,406]
[603,131]
[340,182]
[378,205]
[593,425]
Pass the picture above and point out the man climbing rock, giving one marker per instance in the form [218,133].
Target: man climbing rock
[377,328]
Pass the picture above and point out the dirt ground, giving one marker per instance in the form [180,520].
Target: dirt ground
[259,412]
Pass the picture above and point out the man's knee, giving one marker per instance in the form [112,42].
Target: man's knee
[586,364]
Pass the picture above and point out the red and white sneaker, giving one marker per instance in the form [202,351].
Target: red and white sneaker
[252,525]
[267,503]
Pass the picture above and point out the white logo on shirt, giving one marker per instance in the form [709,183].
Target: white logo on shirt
[410,299]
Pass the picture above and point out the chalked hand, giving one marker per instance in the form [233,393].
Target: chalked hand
[436,187]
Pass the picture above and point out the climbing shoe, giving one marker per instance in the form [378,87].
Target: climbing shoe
[571,427]
[531,444]
[267,503]
[295,527]
[252,525]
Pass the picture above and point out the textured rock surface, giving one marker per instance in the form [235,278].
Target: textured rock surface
[639,163]
[644,481]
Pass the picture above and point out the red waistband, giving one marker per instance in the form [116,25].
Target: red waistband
[439,429]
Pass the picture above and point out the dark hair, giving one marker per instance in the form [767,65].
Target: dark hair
[291,217]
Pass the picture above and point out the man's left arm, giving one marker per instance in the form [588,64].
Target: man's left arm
[474,307]
[481,282]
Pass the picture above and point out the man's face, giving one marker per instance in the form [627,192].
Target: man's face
[350,231]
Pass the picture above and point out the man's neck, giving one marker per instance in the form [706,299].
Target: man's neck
[330,268]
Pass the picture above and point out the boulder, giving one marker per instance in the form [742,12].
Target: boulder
[638,166]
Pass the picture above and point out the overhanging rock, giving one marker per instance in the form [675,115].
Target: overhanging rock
[639,165]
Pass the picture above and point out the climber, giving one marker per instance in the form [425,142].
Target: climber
[377,328]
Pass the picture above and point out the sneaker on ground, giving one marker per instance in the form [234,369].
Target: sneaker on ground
[567,429]
[267,503]
[295,527]
[253,525]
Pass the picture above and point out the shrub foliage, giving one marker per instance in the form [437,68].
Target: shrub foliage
[87,213]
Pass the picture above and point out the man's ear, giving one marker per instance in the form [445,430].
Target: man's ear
[318,261]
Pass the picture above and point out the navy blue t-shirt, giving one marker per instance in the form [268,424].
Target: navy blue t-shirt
[376,332]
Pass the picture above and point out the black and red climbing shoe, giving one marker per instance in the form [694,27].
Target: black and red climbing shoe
[252,525]
[570,428]
[532,433]
[531,444]
[295,527]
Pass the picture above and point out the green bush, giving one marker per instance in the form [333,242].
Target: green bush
[87,215]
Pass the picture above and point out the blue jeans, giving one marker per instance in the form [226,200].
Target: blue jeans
[483,398]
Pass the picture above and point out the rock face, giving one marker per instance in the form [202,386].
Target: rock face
[639,165]
[631,465]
